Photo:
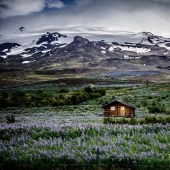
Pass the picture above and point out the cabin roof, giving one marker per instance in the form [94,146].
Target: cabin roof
[119,101]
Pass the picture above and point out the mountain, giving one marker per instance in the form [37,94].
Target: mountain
[45,43]
[6,47]
[151,51]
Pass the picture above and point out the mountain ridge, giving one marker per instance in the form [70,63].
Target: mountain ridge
[48,53]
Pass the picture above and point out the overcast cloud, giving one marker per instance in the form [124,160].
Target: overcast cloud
[130,15]
[24,7]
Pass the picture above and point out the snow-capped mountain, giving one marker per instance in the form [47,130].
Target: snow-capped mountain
[46,43]
[49,51]
[6,47]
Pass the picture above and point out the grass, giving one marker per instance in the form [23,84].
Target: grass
[67,136]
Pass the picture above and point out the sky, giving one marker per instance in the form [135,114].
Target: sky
[86,16]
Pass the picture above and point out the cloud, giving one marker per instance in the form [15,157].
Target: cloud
[55,4]
[10,8]
[131,15]
[80,3]
[20,7]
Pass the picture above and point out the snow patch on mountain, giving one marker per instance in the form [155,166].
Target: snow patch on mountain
[128,48]
[61,46]
[45,51]
[127,57]
[26,62]
[26,55]
[5,50]
[165,45]
[3,56]
[21,49]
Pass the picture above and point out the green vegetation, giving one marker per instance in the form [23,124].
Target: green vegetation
[134,121]
[48,127]
[40,98]
[10,118]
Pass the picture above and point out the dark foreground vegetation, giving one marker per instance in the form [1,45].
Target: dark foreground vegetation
[133,121]
[40,98]
[53,128]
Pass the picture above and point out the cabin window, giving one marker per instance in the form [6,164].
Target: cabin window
[122,108]
[112,108]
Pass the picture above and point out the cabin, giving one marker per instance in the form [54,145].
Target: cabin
[118,108]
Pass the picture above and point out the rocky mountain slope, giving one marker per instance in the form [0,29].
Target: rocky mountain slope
[47,53]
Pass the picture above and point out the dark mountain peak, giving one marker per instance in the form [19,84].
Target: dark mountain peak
[50,37]
[149,34]
[78,39]
[8,46]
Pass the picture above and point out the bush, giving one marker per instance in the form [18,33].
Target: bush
[39,98]
[150,97]
[88,89]
[10,119]
[144,103]
[100,91]
[63,91]
[74,99]
[150,119]
[61,96]
[108,120]
[4,95]
[122,121]
[18,93]
[68,102]
[3,103]
[156,109]
[133,121]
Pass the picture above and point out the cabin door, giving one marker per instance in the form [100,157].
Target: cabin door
[122,111]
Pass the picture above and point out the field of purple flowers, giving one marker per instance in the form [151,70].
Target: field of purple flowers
[75,137]
[51,141]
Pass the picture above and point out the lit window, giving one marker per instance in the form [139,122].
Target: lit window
[112,108]
[122,108]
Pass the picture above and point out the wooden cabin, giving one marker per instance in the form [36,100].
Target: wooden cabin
[118,108]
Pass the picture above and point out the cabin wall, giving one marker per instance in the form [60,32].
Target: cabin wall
[118,110]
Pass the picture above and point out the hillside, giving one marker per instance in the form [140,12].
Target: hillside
[52,54]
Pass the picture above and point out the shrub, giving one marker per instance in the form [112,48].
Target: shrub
[55,103]
[79,98]
[100,91]
[162,120]
[167,112]
[150,97]
[74,99]
[63,91]
[150,119]
[107,120]
[3,103]
[18,93]
[85,96]
[39,91]
[133,121]
[68,102]
[61,96]
[168,119]
[10,119]
[122,121]
[88,89]
[156,109]
[4,95]
[144,103]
